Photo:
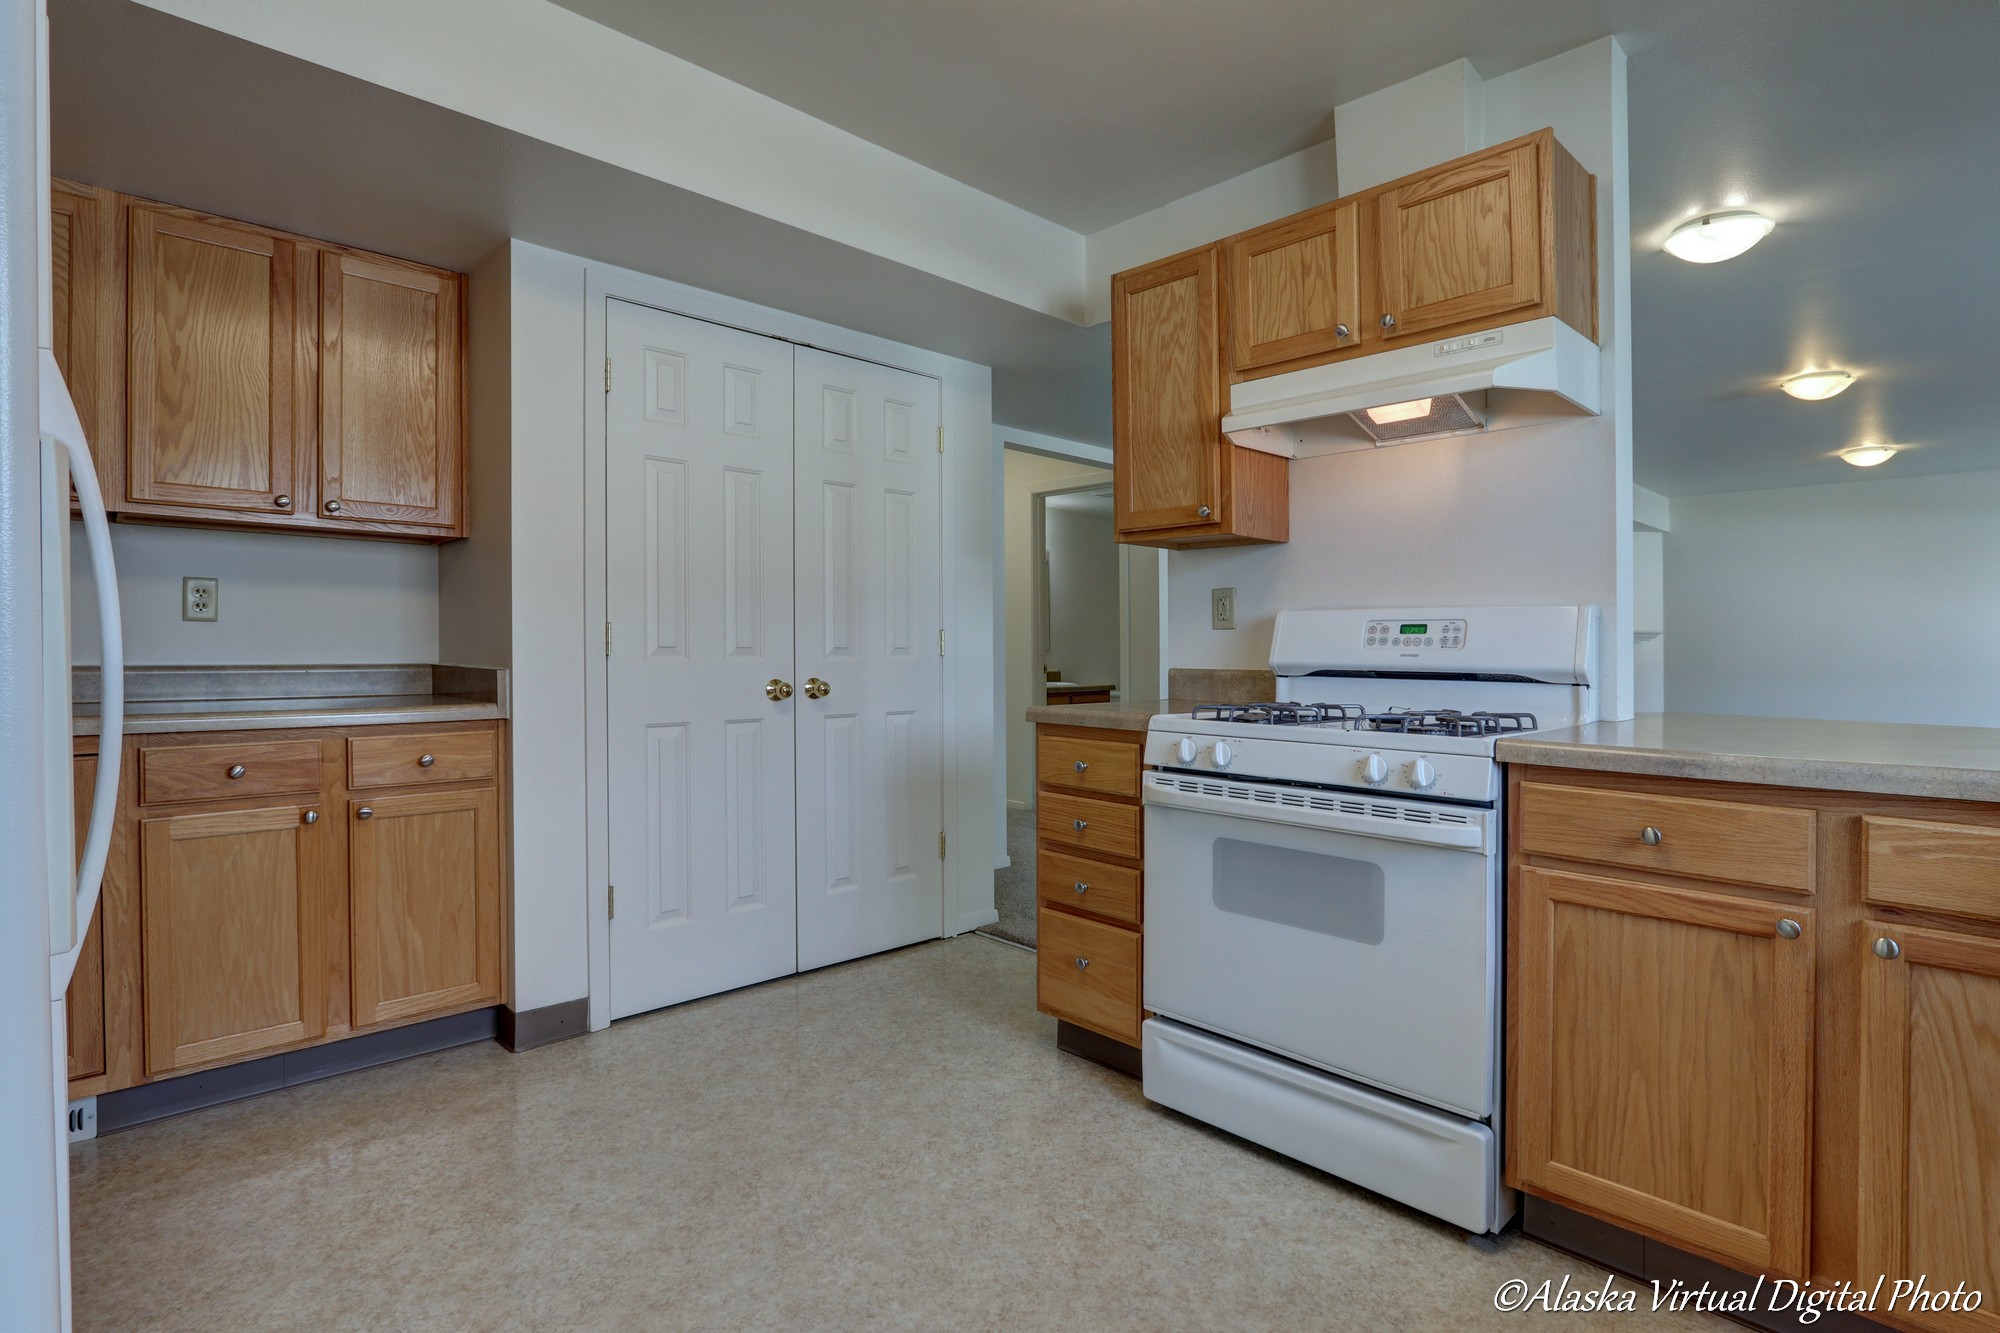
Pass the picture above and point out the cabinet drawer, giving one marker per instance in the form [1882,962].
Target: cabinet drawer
[1932,867]
[1088,825]
[1766,845]
[1106,889]
[168,774]
[1106,768]
[1088,973]
[400,761]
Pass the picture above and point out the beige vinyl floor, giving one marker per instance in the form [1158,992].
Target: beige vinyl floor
[891,1144]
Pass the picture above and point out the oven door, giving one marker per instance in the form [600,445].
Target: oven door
[1352,932]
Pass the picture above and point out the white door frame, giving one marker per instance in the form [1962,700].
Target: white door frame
[967,766]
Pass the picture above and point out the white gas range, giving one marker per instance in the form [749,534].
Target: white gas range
[1323,893]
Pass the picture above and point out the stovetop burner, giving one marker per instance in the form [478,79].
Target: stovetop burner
[1445,722]
[1280,715]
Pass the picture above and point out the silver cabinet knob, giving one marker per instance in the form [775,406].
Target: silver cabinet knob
[1081,766]
[1651,836]
[1079,824]
[364,813]
[1388,321]
[1082,963]
[1888,948]
[1082,887]
[426,761]
[282,501]
[237,770]
[312,816]
[333,506]
[1342,331]
[1788,929]
[1204,512]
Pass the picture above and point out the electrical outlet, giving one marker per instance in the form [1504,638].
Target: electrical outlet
[83,1119]
[1222,608]
[199,598]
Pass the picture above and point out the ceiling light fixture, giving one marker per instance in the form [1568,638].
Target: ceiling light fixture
[1815,385]
[1869,455]
[1714,237]
[1394,412]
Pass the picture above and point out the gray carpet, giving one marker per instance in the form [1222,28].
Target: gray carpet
[1014,887]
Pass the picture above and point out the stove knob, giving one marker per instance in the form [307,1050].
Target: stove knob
[1374,769]
[1423,775]
[1224,756]
[1185,751]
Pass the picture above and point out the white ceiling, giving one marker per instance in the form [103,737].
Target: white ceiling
[1870,129]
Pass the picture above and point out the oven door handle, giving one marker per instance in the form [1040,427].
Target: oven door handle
[1469,837]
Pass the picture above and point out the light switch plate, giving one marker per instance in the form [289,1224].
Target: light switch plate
[1222,608]
[200,598]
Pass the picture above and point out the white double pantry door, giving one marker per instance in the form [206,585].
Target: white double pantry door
[774,682]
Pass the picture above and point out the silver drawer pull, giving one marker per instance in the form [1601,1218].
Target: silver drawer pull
[1079,824]
[237,770]
[312,816]
[427,761]
[1887,948]
[1651,836]
[1082,963]
[1788,929]
[364,813]
[1082,887]
[1080,766]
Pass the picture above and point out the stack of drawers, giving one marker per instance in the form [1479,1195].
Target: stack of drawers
[1089,883]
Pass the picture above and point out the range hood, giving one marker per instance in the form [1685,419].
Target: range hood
[1517,375]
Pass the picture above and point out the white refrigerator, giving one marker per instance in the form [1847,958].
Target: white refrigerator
[49,891]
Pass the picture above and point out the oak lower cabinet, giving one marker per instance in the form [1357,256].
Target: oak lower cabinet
[84,1002]
[1089,878]
[1762,1025]
[425,893]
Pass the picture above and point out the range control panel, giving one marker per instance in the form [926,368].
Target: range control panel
[1416,633]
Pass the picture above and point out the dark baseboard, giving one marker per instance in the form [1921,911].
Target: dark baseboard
[529,1028]
[129,1107]
[1648,1261]
[1098,1047]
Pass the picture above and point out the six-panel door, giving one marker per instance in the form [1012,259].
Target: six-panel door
[1930,1118]
[424,873]
[1662,1045]
[1166,389]
[1463,243]
[233,948]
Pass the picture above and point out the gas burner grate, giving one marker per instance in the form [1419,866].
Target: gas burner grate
[1280,715]
[1446,722]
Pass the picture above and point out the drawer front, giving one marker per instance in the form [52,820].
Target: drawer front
[1765,845]
[402,761]
[1104,768]
[1088,972]
[1063,880]
[1087,825]
[1932,867]
[169,774]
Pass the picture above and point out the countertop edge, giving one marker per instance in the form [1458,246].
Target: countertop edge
[302,717]
[1921,780]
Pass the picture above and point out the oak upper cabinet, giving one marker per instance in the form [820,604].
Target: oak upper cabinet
[1930,1115]
[1499,236]
[1662,1042]
[1178,480]
[217,366]
[233,951]
[425,899]
[391,447]
[87,312]
[1295,287]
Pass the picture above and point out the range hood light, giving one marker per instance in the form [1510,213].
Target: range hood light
[1869,455]
[1815,385]
[1714,237]
[1394,412]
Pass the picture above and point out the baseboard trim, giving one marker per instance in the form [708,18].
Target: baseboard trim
[131,1107]
[527,1029]
[1097,1047]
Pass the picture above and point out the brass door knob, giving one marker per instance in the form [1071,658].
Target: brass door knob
[817,688]
[777,691]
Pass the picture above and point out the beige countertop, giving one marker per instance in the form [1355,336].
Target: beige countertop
[1949,763]
[1118,715]
[162,699]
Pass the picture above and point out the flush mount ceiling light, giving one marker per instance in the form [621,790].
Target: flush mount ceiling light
[1815,385]
[1714,237]
[1869,455]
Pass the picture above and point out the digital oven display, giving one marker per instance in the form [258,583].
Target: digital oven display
[1408,630]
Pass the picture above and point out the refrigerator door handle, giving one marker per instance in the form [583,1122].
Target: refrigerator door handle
[59,422]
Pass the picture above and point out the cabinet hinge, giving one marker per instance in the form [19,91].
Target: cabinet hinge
[607,638]
[610,901]
[940,643]
[607,374]
[940,846]
[940,439]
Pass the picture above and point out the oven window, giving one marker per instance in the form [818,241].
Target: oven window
[1334,895]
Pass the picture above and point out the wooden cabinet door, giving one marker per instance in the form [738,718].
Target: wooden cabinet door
[214,362]
[87,316]
[1930,1119]
[425,878]
[1662,1062]
[1294,287]
[84,1002]
[391,430]
[233,954]
[1167,394]
[1463,243]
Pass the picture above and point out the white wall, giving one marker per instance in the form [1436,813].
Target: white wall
[1538,514]
[1083,594]
[286,600]
[1809,602]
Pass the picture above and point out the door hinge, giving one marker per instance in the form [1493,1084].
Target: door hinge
[607,374]
[607,638]
[610,901]
[940,643]
[940,439]
[941,845]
